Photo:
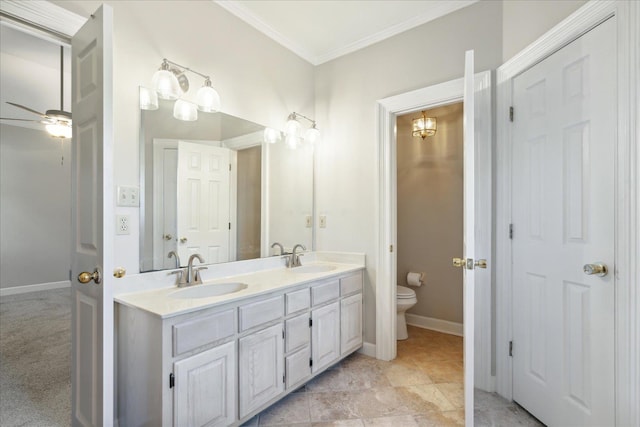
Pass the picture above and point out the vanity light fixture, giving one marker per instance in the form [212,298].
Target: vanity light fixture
[170,82]
[293,129]
[148,99]
[424,126]
[271,135]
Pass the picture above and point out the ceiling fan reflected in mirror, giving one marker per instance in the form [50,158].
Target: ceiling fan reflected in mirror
[56,122]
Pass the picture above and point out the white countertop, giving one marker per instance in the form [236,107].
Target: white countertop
[160,303]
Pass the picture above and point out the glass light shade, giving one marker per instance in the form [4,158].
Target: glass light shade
[148,99]
[186,111]
[165,83]
[424,126]
[208,99]
[292,141]
[59,130]
[271,136]
[312,135]
[293,126]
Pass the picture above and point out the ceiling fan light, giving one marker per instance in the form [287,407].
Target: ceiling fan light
[207,98]
[165,83]
[148,99]
[59,130]
[185,111]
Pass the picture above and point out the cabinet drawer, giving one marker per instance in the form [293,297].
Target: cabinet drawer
[325,292]
[260,312]
[297,300]
[203,330]
[296,332]
[351,284]
[297,368]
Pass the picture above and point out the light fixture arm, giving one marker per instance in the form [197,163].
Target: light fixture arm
[166,61]
[294,115]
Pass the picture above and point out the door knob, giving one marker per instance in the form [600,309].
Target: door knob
[167,237]
[460,262]
[119,272]
[597,269]
[183,240]
[480,263]
[86,277]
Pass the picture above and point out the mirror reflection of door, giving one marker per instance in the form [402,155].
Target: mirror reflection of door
[165,181]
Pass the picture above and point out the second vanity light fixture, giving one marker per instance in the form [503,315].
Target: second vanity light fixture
[293,129]
[170,82]
[424,126]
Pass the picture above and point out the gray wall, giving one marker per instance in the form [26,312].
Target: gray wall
[35,213]
[430,197]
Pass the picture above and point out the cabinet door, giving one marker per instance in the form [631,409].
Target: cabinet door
[261,368]
[297,368]
[325,336]
[205,388]
[351,323]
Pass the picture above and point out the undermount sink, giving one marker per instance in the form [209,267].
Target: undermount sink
[210,290]
[313,268]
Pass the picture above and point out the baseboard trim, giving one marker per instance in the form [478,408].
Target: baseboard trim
[434,324]
[368,349]
[34,288]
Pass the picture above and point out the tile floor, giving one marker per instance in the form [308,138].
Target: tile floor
[423,386]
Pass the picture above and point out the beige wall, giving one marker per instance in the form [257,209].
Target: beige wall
[257,78]
[249,198]
[346,93]
[430,196]
[523,21]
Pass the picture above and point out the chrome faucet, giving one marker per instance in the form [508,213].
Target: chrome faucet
[278,245]
[175,254]
[191,279]
[294,261]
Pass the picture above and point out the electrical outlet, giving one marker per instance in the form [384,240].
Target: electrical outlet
[323,221]
[122,224]
[128,196]
[307,221]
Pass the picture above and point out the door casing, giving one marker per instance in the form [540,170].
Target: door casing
[386,314]
[627,239]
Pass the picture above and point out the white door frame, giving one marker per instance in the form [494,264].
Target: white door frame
[627,239]
[386,314]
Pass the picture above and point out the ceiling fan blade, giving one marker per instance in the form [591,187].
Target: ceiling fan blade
[21,120]
[28,109]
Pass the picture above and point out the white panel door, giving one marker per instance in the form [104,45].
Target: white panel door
[92,223]
[563,217]
[205,388]
[203,201]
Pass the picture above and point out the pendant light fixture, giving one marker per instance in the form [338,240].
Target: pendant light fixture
[424,126]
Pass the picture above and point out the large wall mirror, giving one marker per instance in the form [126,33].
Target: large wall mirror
[214,187]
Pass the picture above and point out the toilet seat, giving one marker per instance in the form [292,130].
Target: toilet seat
[405,293]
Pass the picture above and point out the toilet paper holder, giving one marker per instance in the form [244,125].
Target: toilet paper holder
[415,279]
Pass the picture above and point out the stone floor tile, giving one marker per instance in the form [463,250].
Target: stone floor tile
[447,371]
[486,400]
[401,374]
[340,423]
[511,416]
[424,398]
[290,410]
[441,419]
[333,405]
[454,392]
[397,421]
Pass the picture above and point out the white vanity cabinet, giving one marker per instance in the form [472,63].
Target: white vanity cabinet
[224,363]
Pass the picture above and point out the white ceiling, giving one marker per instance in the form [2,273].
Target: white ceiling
[322,30]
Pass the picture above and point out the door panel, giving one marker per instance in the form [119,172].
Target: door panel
[91,225]
[325,336]
[203,201]
[563,218]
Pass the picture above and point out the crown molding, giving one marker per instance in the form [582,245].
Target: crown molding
[44,14]
[256,22]
[440,8]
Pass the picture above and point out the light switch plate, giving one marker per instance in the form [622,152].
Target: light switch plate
[323,221]
[307,221]
[128,195]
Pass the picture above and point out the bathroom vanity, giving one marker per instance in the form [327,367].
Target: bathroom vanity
[219,360]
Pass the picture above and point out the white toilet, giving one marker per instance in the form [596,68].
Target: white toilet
[406,298]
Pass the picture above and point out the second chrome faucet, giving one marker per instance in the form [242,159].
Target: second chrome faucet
[292,259]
